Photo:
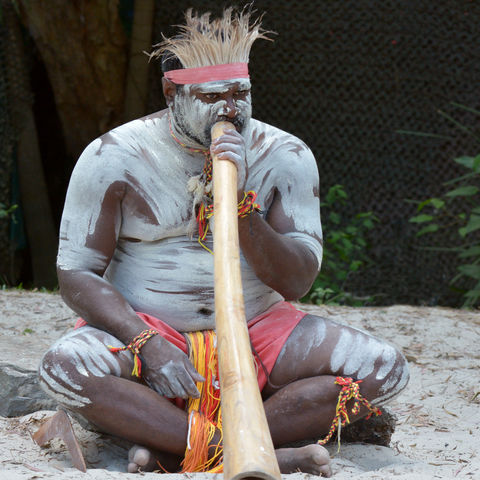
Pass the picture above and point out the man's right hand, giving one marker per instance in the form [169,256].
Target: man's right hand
[168,370]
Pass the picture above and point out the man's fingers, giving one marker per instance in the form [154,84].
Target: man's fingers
[166,391]
[193,372]
[190,387]
[177,386]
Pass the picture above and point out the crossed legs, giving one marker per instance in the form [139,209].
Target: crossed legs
[84,376]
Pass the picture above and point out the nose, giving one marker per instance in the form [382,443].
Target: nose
[231,107]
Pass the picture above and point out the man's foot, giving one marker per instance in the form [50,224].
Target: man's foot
[312,459]
[142,459]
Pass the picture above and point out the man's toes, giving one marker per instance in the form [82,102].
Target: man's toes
[132,467]
[325,471]
[140,458]
[312,459]
[320,458]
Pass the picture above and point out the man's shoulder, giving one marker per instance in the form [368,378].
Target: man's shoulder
[116,155]
[138,132]
[126,141]
[270,132]
[269,142]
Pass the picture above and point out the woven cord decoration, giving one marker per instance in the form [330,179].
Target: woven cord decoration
[350,390]
[134,346]
[247,205]
[205,210]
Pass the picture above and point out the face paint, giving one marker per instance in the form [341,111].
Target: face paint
[193,117]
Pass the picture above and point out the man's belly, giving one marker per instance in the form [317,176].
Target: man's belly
[172,279]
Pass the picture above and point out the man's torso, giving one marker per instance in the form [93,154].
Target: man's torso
[156,266]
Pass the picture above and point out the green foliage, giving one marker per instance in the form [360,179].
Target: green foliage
[344,253]
[6,212]
[459,209]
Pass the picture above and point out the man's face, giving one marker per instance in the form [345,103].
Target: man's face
[199,106]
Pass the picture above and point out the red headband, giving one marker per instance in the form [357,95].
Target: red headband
[210,73]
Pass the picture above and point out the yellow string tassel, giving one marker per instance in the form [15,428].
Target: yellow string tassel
[204,414]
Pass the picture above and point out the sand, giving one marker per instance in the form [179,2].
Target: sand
[438,430]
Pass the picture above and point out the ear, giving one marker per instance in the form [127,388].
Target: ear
[169,90]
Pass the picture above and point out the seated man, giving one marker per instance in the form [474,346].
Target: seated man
[134,260]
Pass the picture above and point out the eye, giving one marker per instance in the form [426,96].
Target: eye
[241,93]
[211,96]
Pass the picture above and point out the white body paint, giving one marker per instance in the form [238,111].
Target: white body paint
[393,384]
[156,266]
[356,352]
[87,355]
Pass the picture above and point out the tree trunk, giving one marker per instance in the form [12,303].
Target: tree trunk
[83,47]
[35,203]
[137,75]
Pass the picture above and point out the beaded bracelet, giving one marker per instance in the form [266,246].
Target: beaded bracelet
[247,205]
[134,346]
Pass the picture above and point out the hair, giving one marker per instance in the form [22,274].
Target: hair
[202,41]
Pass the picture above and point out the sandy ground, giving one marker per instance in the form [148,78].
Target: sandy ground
[438,430]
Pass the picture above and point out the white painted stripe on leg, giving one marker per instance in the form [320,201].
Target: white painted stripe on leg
[389,356]
[63,375]
[394,385]
[92,362]
[59,392]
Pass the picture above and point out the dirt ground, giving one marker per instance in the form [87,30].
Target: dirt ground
[438,430]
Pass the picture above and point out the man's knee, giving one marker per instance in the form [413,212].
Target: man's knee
[393,378]
[58,379]
[70,366]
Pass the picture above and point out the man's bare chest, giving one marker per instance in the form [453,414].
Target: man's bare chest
[156,211]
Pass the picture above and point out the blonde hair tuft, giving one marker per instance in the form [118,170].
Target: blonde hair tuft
[202,41]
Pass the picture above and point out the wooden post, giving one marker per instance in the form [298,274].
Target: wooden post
[247,444]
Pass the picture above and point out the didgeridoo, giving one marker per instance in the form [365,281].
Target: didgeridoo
[247,445]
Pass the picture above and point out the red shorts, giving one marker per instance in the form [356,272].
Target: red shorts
[268,333]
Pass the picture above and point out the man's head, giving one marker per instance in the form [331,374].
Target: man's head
[206,72]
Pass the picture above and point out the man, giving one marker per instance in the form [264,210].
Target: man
[137,203]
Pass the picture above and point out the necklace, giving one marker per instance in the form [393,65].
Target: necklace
[204,210]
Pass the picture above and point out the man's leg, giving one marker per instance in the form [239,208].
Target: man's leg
[84,376]
[301,399]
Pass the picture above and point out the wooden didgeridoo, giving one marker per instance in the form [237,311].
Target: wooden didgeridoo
[247,445]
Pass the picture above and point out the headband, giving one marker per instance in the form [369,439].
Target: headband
[210,73]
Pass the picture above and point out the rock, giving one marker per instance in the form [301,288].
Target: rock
[20,392]
[30,322]
[377,429]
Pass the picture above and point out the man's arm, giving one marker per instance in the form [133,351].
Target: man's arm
[281,262]
[284,248]
[88,237]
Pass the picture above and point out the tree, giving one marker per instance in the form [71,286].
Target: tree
[83,46]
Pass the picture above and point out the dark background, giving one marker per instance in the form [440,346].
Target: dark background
[347,77]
